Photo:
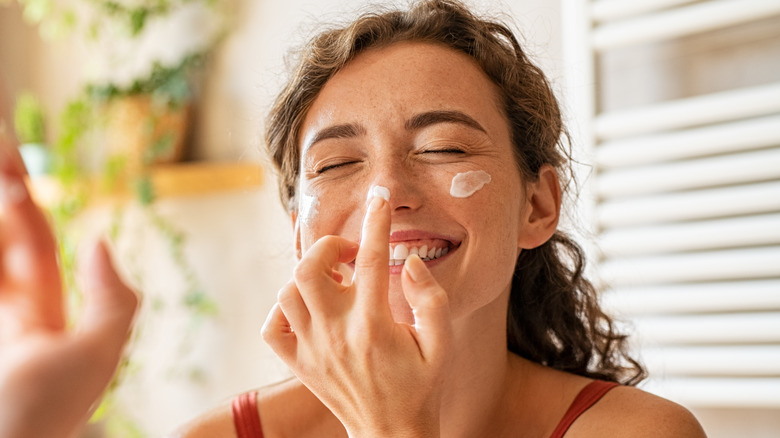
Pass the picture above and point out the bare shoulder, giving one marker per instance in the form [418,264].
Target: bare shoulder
[286,409]
[630,412]
[217,423]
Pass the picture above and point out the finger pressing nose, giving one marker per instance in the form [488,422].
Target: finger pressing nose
[371,265]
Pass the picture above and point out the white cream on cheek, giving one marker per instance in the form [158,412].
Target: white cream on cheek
[467,183]
[307,205]
[308,208]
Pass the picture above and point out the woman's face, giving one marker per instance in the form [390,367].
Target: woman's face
[412,117]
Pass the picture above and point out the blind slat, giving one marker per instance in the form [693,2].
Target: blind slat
[731,360]
[694,174]
[692,205]
[719,392]
[608,10]
[736,296]
[692,236]
[726,328]
[700,266]
[683,21]
[719,139]
[693,111]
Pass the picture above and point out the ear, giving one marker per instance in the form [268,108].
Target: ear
[539,220]
[297,231]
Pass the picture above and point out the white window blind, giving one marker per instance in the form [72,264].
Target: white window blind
[678,102]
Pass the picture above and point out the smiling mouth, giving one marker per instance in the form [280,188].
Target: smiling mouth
[399,252]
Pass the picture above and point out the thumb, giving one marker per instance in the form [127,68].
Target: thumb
[430,305]
[109,305]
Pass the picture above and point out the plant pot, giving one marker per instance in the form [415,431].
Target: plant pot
[142,132]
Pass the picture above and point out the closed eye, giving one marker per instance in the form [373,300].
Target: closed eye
[444,151]
[328,167]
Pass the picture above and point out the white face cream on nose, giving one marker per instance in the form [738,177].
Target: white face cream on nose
[382,192]
[467,183]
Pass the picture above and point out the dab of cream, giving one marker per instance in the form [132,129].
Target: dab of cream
[467,183]
[307,207]
[382,192]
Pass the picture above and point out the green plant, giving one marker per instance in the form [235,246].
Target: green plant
[57,18]
[171,85]
[29,119]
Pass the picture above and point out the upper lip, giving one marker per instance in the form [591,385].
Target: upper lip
[405,236]
[411,235]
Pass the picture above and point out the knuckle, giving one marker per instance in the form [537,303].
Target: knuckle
[304,271]
[269,336]
[329,240]
[370,257]
[285,293]
[438,299]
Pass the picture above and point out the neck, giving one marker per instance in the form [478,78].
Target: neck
[479,388]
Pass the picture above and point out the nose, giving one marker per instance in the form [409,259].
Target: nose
[397,176]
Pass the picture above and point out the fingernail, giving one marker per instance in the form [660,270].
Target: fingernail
[378,191]
[415,267]
[375,204]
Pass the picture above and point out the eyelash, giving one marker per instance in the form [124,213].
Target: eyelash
[444,151]
[326,168]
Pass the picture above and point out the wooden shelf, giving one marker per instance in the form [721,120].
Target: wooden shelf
[191,179]
[176,180]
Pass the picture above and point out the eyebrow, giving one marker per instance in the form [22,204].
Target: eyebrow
[347,130]
[429,118]
[418,121]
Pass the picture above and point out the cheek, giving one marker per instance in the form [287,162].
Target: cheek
[492,204]
[328,212]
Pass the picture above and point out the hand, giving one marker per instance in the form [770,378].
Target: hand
[50,377]
[379,377]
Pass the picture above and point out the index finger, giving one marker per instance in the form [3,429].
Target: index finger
[372,274]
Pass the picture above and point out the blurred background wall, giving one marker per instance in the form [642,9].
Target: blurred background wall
[239,240]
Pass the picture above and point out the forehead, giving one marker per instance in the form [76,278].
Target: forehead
[389,84]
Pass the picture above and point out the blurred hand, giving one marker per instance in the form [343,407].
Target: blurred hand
[51,377]
[379,377]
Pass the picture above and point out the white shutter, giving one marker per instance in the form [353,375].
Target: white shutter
[686,195]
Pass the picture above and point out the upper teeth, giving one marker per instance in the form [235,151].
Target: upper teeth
[400,252]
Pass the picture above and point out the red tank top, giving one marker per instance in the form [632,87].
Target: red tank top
[246,418]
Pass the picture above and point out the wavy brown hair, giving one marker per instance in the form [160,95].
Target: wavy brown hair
[554,316]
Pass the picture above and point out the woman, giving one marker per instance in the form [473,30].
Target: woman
[443,303]
[448,303]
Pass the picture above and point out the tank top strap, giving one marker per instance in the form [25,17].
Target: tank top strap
[246,418]
[586,398]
